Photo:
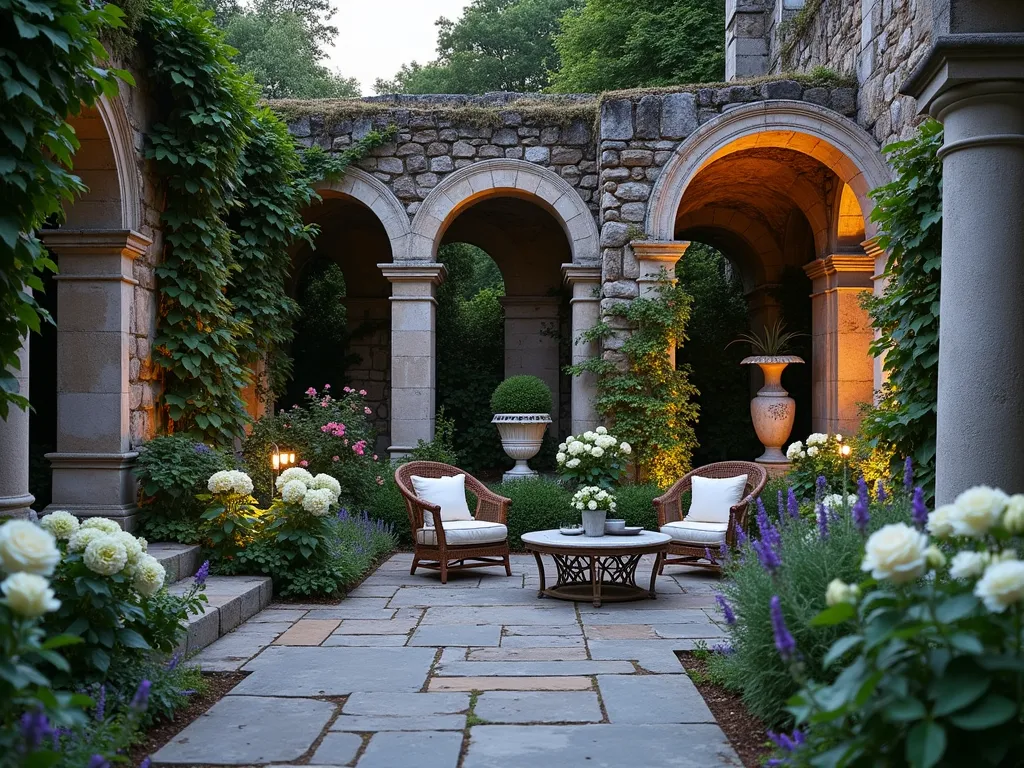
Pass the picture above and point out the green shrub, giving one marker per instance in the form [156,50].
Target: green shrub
[442,447]
[634,504]
[521,394]
[388,505]
[171,471]
[537,504]
[808,564]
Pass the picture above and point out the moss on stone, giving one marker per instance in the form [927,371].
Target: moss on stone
[819,77]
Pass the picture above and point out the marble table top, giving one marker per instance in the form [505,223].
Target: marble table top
[554,538]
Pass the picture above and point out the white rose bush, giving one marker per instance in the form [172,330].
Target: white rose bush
[593,458]
[929,670]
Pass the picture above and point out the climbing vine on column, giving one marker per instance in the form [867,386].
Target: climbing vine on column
[50,66]
[651,402]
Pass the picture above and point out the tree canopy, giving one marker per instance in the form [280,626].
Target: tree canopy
[609,44]
[496,45]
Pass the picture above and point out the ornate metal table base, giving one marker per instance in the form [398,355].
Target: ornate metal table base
[600,578]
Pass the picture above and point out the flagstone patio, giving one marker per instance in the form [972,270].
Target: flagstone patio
[478,673]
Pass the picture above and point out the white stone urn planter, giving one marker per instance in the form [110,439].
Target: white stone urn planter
[521,437]
[772,410]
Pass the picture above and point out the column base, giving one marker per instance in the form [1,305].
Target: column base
[95,485]
[17,506]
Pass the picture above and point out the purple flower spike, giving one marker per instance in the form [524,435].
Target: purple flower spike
[822,521]
[730,617]
[202,573]
[140,700]
[35,726]
[707,555]
[98,761]
[860,512]
[145,763]
[767,556]
[820,485]
[920,510]
[880,493]
[784,642]
[723,552]
[779,505]
[723,648]
[792,506]
[908,474]
[741,537]
[101,703]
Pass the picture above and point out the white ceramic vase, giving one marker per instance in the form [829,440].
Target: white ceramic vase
[593,521]
[773,410]
[521,437]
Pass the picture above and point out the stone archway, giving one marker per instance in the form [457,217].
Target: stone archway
[126,160]
[362,187]
[806,172]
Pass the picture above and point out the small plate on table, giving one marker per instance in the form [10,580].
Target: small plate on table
[629,530]
[571,531]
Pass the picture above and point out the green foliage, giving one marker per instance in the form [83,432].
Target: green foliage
[908,212]
[521,394]
[328,435]
[470,316]
[650,402]
[635,505]
[610,44]
[231,522]
[196,146]
[50,66]
[809,563]
[442,447]
[171,470]
[388,505]
[496,45]
[774,341]
[267,221]
[718,314]
[538,503]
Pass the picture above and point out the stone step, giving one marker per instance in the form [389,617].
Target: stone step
[232,600]
[181,561]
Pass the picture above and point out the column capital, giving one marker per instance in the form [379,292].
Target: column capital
[581,273]
[666,251]
[91,242]
[417,272]
[841,270]
[982,59]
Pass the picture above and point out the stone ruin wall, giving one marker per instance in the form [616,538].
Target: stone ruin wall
[878,41]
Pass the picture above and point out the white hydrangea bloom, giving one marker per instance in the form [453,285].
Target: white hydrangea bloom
[570,440]
[560,457]
[241,483]
[589,436]
[81,538]
[294,473]
[24,546]
[794,450]
[324,480]
[148,576]
[625,448]
[812,451]
[60,523]
[591,504]
[572,463]
[101,523]
[597,452]
[601,431]
[576,448]
[220,482]
[318,501]
[105,556]
[293,492]
[562,447]
[1002,585]
[817,438]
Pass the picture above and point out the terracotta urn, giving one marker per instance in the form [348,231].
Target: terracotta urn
[521,437]
[772,410]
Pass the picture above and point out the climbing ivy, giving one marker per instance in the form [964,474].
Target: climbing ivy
[651,401]
[50,66]
[906,315]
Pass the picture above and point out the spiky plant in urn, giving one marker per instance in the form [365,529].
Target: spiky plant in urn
[522,411]
[772,410]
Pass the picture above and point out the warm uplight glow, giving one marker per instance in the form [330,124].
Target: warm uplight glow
[275,460]
[845,450]
[279,459]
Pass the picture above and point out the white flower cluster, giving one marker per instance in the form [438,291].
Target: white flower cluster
[28,554]
[593,498]
[901,554]
[795,450]
[316,494]
[591,444]
[230,481]
[816,442]
[836,501]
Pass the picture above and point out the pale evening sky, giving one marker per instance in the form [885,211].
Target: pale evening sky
[375,37]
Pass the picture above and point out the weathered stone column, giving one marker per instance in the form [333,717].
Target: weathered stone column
[413,352]
[15,500]
[657,261]
[531,341]
[92,465]
[974,84]
[585,283]
[842,372]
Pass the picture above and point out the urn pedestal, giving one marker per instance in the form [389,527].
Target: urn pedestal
[521,437]
[772,410]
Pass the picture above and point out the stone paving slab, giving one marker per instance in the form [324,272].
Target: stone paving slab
[374,590]
[663,614]
[646,699]
[540,614]
[338,749]
[308,632]
[706,630]
[296,671]
[406,704]
[534,668]
[343,611]
[374,723]
[510,684]
[430,597]
[366,641]
[553,629]
[506,653]
[457,634]
[539,707]
[234,732]
[599,746]
[542,641]
[376,627]
[277,614]
[424,749]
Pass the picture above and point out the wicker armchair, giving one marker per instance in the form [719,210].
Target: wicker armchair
[690,547]
[450,550]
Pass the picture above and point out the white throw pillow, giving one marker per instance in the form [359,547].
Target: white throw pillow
[711,498]
[449,493]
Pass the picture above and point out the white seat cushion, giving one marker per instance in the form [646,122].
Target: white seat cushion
[461,532]
[700,534]
[711,498]
[448,493]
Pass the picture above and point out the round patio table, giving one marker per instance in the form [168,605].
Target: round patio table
[597,568]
